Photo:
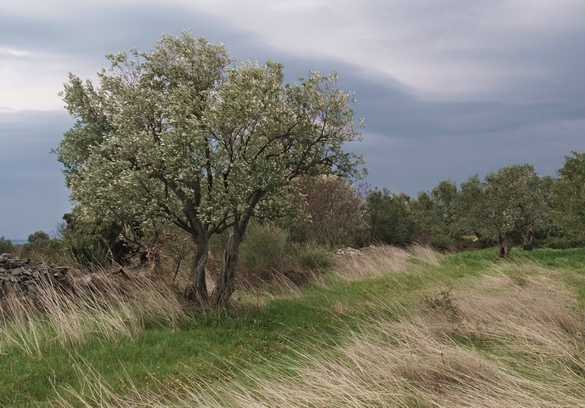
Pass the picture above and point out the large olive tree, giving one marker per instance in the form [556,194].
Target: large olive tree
[181,134]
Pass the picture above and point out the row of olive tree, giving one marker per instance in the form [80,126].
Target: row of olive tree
[511,205]
[508,203]
[180,135]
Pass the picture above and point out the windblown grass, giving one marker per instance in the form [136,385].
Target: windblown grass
[395,327]
[510,337]
[102,307]
[378,261]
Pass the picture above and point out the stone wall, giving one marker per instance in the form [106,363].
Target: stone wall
[27,275]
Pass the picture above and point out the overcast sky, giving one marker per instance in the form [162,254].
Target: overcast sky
[448,89]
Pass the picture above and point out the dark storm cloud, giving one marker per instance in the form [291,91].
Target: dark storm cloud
[414,165]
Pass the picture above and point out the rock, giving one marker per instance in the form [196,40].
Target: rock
[27,275]
[17,271]
[6,256]
[348,251]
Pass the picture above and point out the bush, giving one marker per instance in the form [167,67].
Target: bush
[41,247]
[314,256]
[267,256]
[39,240]
[442,303]
[87,251]
[6,245]
[562,242]
[264,248]
[329,211]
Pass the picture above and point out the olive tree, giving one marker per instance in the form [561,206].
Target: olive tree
[443,198]
[390,217]
[569,194]
[6,245]
[39,239]
[181,134]
[435,215]
[510,203]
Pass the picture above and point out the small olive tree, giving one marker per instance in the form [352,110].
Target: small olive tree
[181,135]
[6,245]
[435,216]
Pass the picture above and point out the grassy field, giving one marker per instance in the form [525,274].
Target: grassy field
[391,327]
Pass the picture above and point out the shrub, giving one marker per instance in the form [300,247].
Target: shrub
[6,245]
[442,303]
[313,256]
[41,247]
[335,213]
[87,251]
[265,248]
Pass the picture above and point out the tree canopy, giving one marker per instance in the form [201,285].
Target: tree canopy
[510,202]
[182,135]
[570,195]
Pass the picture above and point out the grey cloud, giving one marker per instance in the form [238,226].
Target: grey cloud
[412,165]
[33,190]
[534,115]
[98,31]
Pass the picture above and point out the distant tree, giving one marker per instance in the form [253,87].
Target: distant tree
[424,214]
[509,204]
[6,245]
[39,239]
[334,211]
[178,135]
[443,197]
[569,197]
[435,215]
[41,245]
[390,218]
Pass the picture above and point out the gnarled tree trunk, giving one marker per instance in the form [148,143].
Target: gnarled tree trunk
[196,289]
[225,283]
[504,246]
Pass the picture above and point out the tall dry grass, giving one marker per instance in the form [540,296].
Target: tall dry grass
[103,307]
[380,260]
[373,261]
[499,341]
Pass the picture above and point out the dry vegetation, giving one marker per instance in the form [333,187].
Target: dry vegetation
[377,261]
[104,306]
[512,337]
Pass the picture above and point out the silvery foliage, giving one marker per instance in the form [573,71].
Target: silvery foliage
[183,134]
[510,201]
[570,193]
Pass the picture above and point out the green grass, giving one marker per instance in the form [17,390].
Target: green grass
[204,344]
[225,347]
